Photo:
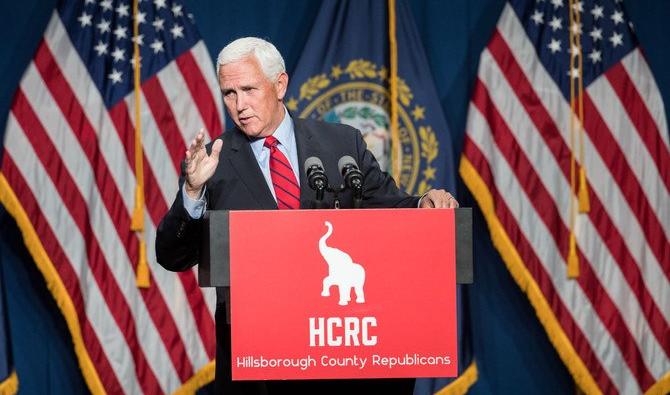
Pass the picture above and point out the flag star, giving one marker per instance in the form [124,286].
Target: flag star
[118,54]
[555,45]
[122,10]
[555,23]
[176,10]
[101,48]
[157,46]
[115,76]
[557,3]
[574,50]
[617,17]
[578,6]
[596,34]
[103,26]
[177,31]
[595,56]
[616,39]
[576,28]
[120,32]
[158,24]
[85,19]
[597,12]
[139,39]
[537,17]
[574,73]
[141,17]
[159,4]
[106,5]
[89,1]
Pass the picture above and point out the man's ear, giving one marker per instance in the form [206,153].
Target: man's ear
[281,85]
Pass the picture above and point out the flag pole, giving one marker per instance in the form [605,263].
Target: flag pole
[393,87]
[137,223]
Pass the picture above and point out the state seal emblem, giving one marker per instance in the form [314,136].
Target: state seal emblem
[357,95]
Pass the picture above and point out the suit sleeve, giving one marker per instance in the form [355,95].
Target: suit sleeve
[178,236]
[380,190]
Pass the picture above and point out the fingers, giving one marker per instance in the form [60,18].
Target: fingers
[216,148]
[439,198]
[196,145]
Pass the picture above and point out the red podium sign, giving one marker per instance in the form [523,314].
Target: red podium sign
[322,294]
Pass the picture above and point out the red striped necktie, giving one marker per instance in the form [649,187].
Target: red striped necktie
[285,185]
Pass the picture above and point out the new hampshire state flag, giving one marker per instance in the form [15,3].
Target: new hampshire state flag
[344,76]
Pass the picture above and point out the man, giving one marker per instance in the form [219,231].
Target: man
[256,166]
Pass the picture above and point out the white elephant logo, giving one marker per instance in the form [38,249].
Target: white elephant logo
[342,271]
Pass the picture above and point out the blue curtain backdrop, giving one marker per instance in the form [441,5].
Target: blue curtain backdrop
[511,348]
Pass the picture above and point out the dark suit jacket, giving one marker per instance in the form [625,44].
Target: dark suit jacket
[238,184]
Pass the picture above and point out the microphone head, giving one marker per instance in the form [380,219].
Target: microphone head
[312,161]
[346,161]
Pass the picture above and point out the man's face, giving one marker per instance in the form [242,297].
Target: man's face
[252,100]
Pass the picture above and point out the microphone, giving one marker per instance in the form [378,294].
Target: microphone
[316,176]
[353,178]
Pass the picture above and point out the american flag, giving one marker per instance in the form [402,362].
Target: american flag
[68,177]
[610,324]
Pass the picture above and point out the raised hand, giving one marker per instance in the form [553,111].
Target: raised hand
[199,166]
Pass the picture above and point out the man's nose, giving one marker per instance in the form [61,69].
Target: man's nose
[241,103]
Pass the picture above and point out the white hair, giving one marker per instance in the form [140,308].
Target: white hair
[266,54]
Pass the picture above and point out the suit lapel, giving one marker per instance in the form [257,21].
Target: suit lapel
[244,162]
[307,146]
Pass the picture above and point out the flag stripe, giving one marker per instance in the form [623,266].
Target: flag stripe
[611,196]
[72,108]
[157,207]
[639,72]
[76,256]
[59,50]
[76,205]
[159,193]
[200,93]
[182,103]
[207,70]
[641,166]
[581,343]
[523,214]
[546,128]
[520,121]
[622,174]
[154,147]
[162,114]
[85,132]
[63,265]
[541,199]
[640,116]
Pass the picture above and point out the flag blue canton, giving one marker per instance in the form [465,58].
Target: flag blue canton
[102,33]
[606,36]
